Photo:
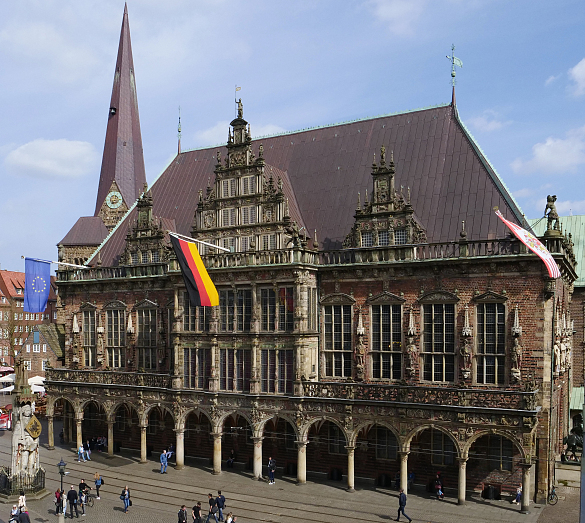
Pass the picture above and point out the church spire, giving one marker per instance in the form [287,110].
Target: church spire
[122,172]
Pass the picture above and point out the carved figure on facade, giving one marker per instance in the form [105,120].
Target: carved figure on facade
[466,350]
[550,212]
[411,348]
[557,356]
[360,350]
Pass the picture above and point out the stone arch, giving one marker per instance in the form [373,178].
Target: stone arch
[370,425]
[303,431]
[94,419]
[280,436]
[164,409]
[327,446]
[193,410]
[498,432]
[64,409]
[126,429]
[198,442]
[426,426]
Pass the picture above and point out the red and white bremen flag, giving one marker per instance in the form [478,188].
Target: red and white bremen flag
[534,244]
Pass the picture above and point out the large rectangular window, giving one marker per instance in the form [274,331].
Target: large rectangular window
[442,448]
[439,342]
[491,343]
[194,318]
[89,348]
[338,351]
[501,453]
[196,368]
[276,375]
[228,188]
[249,184]
[116,352]
[313,310]
[235,310]
[277,314]
[249,215]
[146,339]
[235,369]
[228,217]
[386,351]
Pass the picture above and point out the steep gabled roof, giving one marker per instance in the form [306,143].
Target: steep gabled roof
[123,159]
[449,178]
[88,230]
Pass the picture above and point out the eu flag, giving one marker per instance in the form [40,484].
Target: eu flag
[37,284]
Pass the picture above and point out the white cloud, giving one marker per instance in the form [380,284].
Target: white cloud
[551,79]
[577,74]
[488,122]
[400,15]
[52,159]
[555,155]
[570,207]
[218,133]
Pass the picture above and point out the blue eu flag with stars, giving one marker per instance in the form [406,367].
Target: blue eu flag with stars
[37,284]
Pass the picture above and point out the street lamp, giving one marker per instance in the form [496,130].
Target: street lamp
[62,473]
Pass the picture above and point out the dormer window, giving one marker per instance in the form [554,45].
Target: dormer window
[249,185]
[383,238]
[134,258]
[367,239]
[228,188]
[249,215]
[145,257]
[400,236]
[18,291]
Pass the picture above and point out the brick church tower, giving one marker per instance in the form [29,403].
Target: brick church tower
[122,175]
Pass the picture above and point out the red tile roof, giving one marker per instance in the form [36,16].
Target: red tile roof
[449,178]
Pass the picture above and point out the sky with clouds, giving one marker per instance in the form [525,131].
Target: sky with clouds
[521,91]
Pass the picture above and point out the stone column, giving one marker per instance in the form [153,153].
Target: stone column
[301,462]
[350,468]
[110,438]
[462,483]
[180,449]
[50,433]
[79,435]
[525,488]
[143,444]
[216,452]
[404,470]
[257,462]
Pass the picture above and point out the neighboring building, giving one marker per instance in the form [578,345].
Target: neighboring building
[415,335]
[15,324]
[574,227]
[42,349]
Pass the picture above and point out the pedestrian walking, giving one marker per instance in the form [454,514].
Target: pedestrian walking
[230,518]
[81,498]
[212,509]
[87,450]
[23,517]
[21,501]
[182,515]
[439,487]
[196,513]
[271,470]
[98,483]
[220,500]
[14,514]
[164,459]
[80,452]
[125,497]
[72,500]
[401,505]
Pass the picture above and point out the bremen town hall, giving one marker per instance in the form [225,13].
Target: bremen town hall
[375,316]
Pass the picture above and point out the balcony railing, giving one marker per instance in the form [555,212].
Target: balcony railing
[483,398]
[451,397]
[391,253]
[104,377]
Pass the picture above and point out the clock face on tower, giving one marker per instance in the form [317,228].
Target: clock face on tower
[114,200]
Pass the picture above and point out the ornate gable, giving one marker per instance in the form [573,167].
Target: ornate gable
[438,297]
[146,304]
[337,299]
[385,298]
[490,297]
[388,219]
[115,304]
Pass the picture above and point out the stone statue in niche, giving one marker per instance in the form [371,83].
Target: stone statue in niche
[557,356]
[360,350]
[516,354]
[466,357]
[412,352]
[563,354]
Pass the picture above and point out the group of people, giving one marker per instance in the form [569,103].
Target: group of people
[84,451]
[76,498]
[19,512]
[216,511]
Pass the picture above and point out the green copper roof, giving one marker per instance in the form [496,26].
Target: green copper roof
[576,226]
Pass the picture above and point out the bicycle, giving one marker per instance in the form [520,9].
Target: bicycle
[553,497]
[89,499]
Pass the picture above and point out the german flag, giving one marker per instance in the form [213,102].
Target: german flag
[199,285]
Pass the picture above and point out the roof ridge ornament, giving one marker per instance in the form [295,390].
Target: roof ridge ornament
[454,62]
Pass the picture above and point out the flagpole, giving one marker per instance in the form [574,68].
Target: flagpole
[199,241]
[59,263]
